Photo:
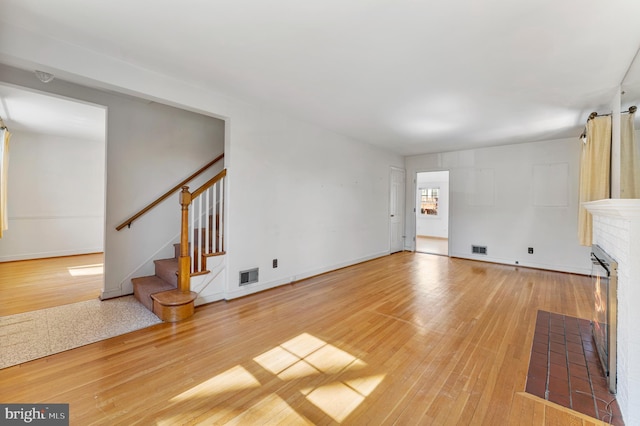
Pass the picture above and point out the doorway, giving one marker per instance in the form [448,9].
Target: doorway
[432,212]
[56,193]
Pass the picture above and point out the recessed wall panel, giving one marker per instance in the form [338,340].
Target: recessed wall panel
[551,185]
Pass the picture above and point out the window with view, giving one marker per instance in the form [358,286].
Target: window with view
[429,201]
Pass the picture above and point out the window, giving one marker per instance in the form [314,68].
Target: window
[429,201]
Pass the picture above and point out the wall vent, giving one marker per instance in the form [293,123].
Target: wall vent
[249,276]
[479,249]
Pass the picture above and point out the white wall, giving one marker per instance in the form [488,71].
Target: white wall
[311,198]
[433,226]
[509,198]
[56,197]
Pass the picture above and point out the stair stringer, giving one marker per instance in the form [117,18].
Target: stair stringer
[146,268]
[210,287]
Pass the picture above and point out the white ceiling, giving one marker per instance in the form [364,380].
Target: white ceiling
[30,111]
[415,76]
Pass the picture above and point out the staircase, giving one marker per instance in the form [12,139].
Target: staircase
[160,293]
[168,293]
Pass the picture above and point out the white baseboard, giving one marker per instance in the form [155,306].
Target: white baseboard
[535,265]
[112,294]
[203,300]
[46,254]
[258,287]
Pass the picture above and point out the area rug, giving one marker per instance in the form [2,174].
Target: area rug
[31,335]
[564,368]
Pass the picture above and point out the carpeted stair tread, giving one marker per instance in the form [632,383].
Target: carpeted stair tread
[144,287]
[167,269]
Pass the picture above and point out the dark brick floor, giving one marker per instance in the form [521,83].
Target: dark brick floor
[564,368]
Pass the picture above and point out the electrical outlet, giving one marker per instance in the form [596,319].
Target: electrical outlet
[275,263]
[530,250]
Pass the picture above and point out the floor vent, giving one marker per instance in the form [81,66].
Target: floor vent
[479,249]
[249,276]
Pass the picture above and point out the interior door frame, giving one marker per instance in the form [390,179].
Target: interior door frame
[416,207]
[399,214]
[104,143]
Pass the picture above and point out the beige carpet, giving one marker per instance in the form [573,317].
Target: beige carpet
[31,335]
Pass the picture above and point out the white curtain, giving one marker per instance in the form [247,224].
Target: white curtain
[629,158]
[595,171]
[4,174]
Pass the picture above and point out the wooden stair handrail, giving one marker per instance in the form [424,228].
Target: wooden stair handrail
[208,184]
[168,193]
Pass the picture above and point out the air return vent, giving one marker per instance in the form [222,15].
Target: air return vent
[479,249]
[249,276]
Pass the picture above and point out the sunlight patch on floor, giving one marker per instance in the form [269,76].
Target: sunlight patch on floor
[303,345]
[336,399]
[365,385]
[273,408]
[86,270]
[330,360]
[305,356]
[339,399]
[234,379]
[299,370]
[330,378]
[276,360]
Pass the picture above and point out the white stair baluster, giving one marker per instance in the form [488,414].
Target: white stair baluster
[192,228]
[222,186]
[198,249]
[214,191]
[207,232]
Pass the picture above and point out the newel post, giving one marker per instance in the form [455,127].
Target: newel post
[184,263]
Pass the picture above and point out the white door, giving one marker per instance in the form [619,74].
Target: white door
[396,210]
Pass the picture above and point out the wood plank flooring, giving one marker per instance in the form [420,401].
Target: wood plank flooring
[29,285]
[405,339]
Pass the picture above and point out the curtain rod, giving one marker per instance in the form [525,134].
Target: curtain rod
[631,110]
[583,136]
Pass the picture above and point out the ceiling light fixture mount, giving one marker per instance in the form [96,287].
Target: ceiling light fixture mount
[44,77]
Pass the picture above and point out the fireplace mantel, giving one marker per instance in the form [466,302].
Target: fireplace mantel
[614,207]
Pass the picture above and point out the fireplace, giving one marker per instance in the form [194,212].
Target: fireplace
[604,271]
[616,229]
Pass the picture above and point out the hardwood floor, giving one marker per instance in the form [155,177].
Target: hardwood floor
[405,339]
[29,285]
